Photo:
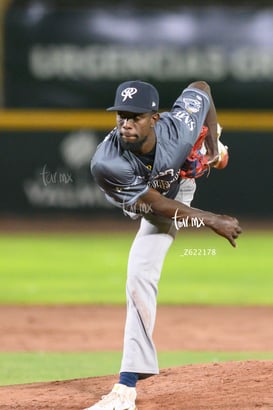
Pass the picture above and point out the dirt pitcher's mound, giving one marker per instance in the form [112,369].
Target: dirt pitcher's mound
[233,385]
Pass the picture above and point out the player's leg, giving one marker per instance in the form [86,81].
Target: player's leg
[144,267]
[145,262]
[146,258]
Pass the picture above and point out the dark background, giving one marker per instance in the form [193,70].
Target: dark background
[72,55]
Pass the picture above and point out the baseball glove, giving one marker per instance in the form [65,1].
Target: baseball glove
[196,164]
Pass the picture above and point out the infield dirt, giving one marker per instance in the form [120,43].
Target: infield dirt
[244,385]
[229,386]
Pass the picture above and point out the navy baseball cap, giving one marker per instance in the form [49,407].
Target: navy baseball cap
[136,96]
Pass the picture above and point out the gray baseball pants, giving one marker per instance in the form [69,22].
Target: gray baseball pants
[145,262]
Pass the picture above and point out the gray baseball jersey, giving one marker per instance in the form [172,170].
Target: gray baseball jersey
[124,177]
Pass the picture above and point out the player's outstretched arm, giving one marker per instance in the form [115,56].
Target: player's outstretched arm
[223,225]
[211,122]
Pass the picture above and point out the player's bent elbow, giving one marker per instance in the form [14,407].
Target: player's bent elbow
[202,85]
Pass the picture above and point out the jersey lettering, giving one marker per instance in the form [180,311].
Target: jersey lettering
[184,116]
[167,172]
[162,184]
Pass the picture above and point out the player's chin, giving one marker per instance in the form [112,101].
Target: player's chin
[133,145]
[129,138]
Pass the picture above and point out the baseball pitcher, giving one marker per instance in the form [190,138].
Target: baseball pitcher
[147,166]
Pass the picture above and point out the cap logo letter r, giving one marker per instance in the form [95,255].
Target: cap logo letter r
[128,93]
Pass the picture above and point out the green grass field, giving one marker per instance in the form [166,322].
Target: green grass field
[17,368]
[91,268]
[86,268]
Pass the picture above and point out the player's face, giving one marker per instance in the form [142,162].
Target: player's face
[135,129]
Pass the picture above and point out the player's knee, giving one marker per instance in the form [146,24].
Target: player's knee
[142,279]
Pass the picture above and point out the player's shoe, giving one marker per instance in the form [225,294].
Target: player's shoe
[120,398]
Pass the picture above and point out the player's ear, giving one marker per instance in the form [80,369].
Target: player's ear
[155,117]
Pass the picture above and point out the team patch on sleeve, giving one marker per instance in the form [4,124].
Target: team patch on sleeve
[193,105]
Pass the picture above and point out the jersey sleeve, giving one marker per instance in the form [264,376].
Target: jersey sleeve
[191,109]
[118,181]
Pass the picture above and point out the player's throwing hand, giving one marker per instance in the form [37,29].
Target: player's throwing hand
[228,227]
